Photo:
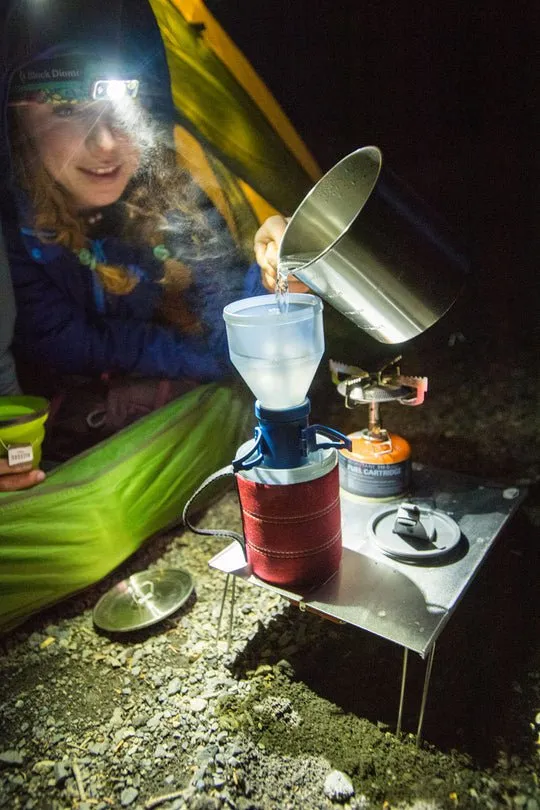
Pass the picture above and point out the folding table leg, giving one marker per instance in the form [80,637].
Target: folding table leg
[427,678]
[225,588]
[222,607]
[402,691]
[231,614]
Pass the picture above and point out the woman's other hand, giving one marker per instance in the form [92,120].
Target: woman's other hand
[267,240]
[20,476]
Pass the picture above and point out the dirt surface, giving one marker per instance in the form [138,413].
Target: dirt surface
[300,713]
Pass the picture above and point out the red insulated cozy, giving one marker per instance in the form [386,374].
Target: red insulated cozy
[292,531]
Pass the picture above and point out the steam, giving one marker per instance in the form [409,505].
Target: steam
[191,229]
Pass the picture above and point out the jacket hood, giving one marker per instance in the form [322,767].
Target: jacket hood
[56,39]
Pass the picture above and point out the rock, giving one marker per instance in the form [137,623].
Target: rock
[286,667]
[98,748]
[43,766]
[154,721]
[61,773]
[198,704]
[338,787]
[124,733]
[139,720]
[128,796]
[11,757]
[174,686]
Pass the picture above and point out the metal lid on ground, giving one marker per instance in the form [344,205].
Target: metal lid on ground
[142,600]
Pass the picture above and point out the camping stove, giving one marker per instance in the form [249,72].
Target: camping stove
[378,466]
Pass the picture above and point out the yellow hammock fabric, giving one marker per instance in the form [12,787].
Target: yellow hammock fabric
[234,138]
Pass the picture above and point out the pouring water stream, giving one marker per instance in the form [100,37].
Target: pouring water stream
[285,267]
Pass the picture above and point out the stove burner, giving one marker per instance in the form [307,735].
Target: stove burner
[386,384]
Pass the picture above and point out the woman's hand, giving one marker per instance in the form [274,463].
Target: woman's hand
[267,240]
[20,476]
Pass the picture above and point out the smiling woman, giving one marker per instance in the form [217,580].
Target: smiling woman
[84,147]
[77,142]
[97,174]
[121,265]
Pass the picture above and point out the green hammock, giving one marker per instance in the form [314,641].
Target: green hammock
[92,512]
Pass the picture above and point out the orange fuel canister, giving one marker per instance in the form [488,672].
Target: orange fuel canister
[378,466]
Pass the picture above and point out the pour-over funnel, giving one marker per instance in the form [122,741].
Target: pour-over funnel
[277,353]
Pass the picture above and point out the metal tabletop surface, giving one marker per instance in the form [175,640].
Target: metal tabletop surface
[406,603]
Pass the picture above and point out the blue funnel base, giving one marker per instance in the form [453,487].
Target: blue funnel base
[284,439]
[283,443]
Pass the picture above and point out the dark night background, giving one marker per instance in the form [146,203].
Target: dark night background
[448,92]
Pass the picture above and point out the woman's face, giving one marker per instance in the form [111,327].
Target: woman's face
[84,148]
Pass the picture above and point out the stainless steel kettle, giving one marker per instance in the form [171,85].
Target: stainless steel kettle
[372,249]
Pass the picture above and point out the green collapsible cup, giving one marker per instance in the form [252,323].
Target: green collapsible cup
[22,422]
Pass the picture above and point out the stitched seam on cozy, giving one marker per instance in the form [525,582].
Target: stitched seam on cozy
[294,518]
[308,552]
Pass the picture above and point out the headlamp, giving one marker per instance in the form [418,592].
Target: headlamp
[73,79]
[114,89]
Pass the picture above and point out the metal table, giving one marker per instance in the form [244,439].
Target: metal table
[406,603]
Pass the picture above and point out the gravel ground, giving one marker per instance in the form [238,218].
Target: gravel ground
[298,714]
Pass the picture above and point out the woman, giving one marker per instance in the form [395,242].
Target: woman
[120,264]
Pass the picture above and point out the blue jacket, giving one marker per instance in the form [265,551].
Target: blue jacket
[66,322]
